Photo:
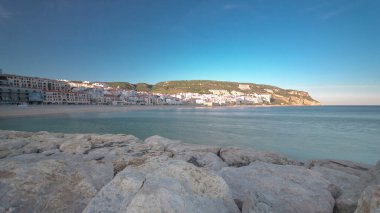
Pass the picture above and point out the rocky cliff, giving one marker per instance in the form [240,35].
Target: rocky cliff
[56,172]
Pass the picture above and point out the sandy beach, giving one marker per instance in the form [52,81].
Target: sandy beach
[34,110]
[16,111]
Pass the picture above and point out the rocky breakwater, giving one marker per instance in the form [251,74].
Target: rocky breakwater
[56,172]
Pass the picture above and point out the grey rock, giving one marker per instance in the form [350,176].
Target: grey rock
[369,201]
[15,144]
[207,160]
[158,143]
[75,147]
[51,152]
[77,137]
[348,167]
[4,152]
[55,183]
[42,133]
[347,201]
[342,180]
[110,140]
[109,153]
[40,146]
[109,199]
[266,187]
[211,161]
[234,156]
[186,147]
[15,134]
[45,172]
[164,185]
[31,143]
[348,176]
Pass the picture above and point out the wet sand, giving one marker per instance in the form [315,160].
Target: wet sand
[35,110]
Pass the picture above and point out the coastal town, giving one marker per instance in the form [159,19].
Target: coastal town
[16,89]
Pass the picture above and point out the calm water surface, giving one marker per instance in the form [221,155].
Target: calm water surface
[339,132]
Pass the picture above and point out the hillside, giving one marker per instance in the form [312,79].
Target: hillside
[279,96]
[141,87]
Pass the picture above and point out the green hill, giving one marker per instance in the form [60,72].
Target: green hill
[141,87]
[279,96]
[203,87]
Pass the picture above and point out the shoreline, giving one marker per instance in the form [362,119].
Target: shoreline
[9,111]
[13,111]
[39,110]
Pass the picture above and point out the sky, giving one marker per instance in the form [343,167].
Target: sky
[330,48]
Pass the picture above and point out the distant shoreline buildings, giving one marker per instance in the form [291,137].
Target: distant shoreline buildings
[16,89]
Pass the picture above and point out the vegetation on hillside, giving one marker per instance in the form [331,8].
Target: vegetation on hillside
[143,87]
[121,85]
[204,87]
[279,96]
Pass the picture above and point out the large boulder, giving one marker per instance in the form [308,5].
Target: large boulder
[166,186]
[235,156]
[28,143]
[186,147]
[349,167]
[55,172]
[348,200]
[342,180]
[265,187]
[112,140]
[207,160]
[4,152]
[9,134]
[75,147]
[53,183]
[369,201]
[158,143]
[348,176]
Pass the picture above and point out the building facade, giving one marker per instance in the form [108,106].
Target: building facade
[36,83]
[14,95]
[18,95]
[107,99]
[61,97]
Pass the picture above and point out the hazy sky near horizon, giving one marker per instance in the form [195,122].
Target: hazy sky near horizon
[330,48]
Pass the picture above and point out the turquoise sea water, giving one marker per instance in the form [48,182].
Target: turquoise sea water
[334,132]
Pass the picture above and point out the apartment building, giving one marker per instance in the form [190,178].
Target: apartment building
[36,83]
[17,95]
[107,99]
[61,97]
[13,95]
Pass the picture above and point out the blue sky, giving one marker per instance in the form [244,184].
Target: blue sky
[330,48]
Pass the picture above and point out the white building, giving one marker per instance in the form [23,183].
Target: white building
[61,97]
[36,83]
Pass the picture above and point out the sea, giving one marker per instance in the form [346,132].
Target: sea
[304,133]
